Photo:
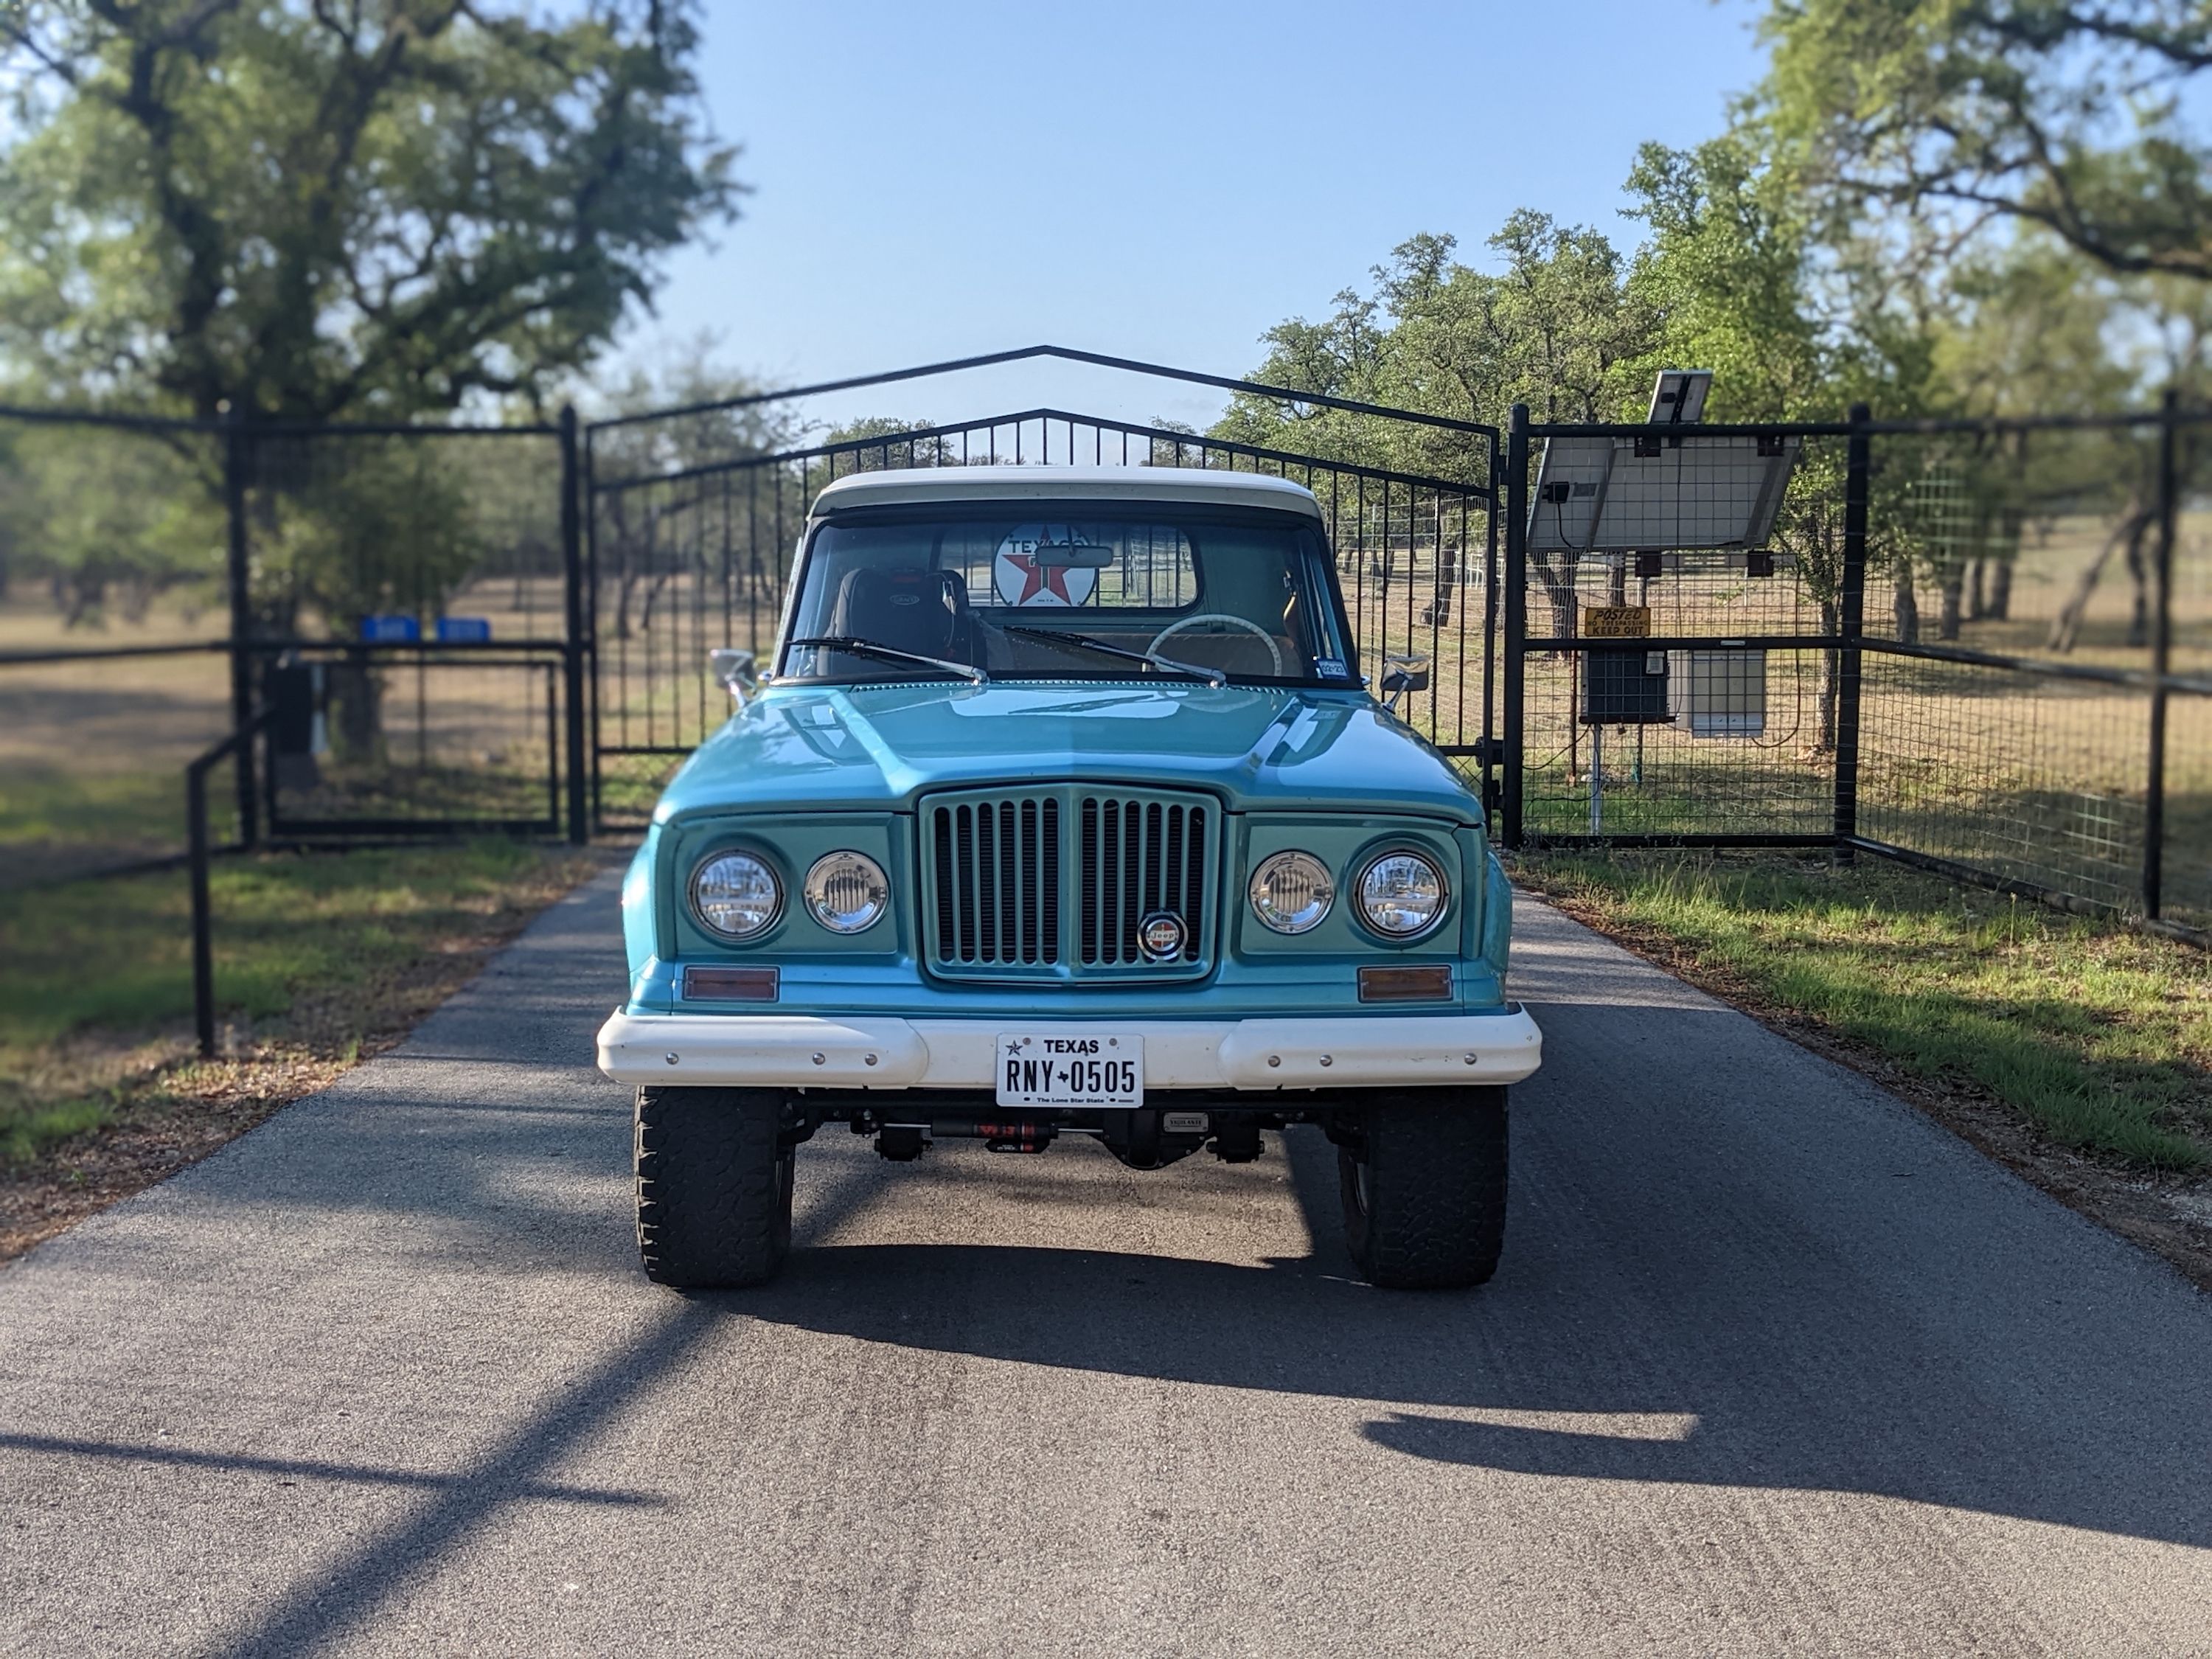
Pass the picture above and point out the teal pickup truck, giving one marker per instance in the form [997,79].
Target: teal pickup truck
[1065,811]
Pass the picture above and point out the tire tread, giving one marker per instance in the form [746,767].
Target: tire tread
[1436,1176]
[713,1186]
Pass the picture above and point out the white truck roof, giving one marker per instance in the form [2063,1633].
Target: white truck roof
[1091,484]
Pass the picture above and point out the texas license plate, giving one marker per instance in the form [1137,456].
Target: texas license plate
[1064,1069]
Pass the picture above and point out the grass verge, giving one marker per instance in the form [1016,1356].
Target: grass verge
[2097,1037]
[320,960]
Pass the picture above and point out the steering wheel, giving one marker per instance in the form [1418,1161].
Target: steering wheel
[1274,653]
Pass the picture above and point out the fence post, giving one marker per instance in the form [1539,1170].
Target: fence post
[2162,656]
[1851,623]
[1516,609]
[1491,791]
[572,657]
[195,830]
[237,459]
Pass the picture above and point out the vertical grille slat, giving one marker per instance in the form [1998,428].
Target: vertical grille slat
[1013,901]
[1049,836]
[1193,880]
[1000,865]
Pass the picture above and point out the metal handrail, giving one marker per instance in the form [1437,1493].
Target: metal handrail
[200,856]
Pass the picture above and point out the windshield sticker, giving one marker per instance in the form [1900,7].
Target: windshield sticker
[1329,668]
[1039,565]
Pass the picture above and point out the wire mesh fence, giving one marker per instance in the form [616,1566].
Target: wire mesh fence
[409,603]
[1986,647]
[399,594]
[2001,666]
[1708,711]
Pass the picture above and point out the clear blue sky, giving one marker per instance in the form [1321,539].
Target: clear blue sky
[1152,180]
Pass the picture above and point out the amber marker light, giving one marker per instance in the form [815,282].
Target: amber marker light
[730,984]
[1402,984]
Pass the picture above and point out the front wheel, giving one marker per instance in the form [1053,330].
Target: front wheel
[713,1186]
[1423,1183]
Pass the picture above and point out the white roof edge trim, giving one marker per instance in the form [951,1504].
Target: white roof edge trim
[1115,484]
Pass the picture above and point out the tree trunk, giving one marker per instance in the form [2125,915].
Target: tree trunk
[1977,601]
[1831,668]
[1953,594]
[2139,575]
[357,697]
[2066,626]
[1905,605]
[1559,590]
[2000,606]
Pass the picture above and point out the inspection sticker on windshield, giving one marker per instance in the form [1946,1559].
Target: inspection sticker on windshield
[1071,1068]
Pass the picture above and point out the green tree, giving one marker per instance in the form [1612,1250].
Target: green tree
[1727,277]
[2083,119]
[1556,327]
[108,519]
[319,209]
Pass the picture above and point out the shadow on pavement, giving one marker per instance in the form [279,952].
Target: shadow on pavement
[1746,1385]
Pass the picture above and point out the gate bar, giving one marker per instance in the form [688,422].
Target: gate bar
[1517,609]
[572,657]
[1852,624]
[1066,354]
[2161,658]
[240,573]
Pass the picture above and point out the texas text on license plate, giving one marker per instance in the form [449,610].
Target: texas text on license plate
[1066,1068]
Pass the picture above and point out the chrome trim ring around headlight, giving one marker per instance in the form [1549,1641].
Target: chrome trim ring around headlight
[734,856]
[846,892]
[1292,867]
[1366,905]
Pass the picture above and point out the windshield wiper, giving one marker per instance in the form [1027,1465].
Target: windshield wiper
[860,647]
[1213,677]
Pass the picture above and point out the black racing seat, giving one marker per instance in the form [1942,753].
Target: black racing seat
[907,607]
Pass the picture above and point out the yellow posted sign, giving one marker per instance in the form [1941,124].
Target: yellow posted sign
[1616,621]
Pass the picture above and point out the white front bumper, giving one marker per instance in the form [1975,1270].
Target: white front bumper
[877,1052]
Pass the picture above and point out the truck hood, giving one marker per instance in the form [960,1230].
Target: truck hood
[883,747]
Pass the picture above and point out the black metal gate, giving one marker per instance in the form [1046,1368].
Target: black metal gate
[686,558]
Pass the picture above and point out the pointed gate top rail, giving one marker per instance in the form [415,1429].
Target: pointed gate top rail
[1066,353]
[886,443]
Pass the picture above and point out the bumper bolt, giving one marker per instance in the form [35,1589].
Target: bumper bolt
[1274,1060]
[869,1061]
[820,1060]
[1470,1059]
[670,1059]
[1326,1060]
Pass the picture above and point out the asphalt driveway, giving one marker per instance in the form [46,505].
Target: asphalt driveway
[1771,1365]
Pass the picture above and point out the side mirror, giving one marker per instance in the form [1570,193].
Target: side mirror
[1401,675]
[735,670]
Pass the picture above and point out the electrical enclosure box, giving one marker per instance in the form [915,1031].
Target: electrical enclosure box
[1720,694]
[1624,685]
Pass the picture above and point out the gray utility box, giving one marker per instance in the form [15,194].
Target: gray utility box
[1719,694]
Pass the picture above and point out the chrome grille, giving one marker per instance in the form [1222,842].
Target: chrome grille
[997,868]
[1052,883]
[1139,856]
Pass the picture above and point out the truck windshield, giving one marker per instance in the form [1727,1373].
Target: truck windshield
[1219,597]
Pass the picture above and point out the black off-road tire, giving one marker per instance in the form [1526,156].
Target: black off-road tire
[1424,1183]
[713,1186]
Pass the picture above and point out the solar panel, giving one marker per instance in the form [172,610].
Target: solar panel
[1658,493]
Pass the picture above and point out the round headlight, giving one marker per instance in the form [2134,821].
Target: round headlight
[846,892]
[1290,892]
[736,895]
[1401,895]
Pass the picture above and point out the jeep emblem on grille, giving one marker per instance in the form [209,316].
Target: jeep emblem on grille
[1160,936]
